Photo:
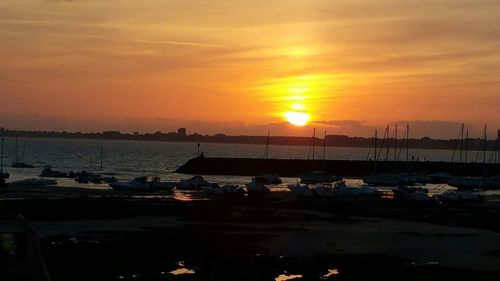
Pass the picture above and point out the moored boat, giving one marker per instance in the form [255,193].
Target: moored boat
[33,182]
[318,177]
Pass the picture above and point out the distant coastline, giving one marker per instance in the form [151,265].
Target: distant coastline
[182,136]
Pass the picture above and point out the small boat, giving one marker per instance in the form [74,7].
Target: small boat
[302,190]
[33,182]
[22,165]
[86,177]
[271,179]
[325,190]
[343,191]
[137,184]
[194,183]
[47,172]
[258,185]
[157,184]
[411,193]
[213,189]
[230,189]
[225,190]
[318,177]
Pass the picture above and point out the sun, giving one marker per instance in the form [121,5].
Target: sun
[297,118]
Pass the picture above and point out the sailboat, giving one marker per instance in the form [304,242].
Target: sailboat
[19,164]
[388,179]
[3,175]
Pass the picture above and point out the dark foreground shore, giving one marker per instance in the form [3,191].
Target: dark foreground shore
[262,238]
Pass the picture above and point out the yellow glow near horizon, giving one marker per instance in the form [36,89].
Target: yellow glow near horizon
[297,118]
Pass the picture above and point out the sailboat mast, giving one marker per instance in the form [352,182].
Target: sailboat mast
[324,147]
[313,143]
[396,142]
[375,159]
[466,145]
[484,145]
[387,145]
[266,152]
[407,143]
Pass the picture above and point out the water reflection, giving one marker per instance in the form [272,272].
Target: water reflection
[182,270]
[331,272]
[285,276]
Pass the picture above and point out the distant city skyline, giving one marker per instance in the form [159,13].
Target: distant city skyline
[433,129]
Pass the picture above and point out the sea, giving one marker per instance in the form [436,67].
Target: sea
[126,159]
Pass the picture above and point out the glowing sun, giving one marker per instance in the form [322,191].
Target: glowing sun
[297,118]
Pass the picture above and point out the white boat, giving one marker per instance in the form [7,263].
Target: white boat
[326,190]
[258,185]
[302,190]
[411,193]
[318,177]
[33,182]
[213,189]
[230,189]
[194,183]
[137,184]
[270,179]
[343,191]
[157,184]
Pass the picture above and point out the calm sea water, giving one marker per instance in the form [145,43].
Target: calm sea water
[128,159]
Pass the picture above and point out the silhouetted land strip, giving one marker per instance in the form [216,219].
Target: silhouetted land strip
[331,140]
[346,168]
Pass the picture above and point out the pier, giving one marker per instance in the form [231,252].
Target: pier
[345,168]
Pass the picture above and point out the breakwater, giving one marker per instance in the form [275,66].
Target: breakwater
[346,168]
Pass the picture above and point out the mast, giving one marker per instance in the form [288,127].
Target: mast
[313,143]
[266,152]
[461,141]
[407,146]
[375,158]
[387,144]
[324,147]
[466,145]
[396,142]
[484,144]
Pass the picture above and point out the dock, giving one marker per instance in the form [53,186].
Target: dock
[345,168]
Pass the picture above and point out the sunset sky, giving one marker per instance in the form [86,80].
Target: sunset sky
[242,67]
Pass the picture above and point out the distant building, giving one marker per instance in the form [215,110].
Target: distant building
[182,132]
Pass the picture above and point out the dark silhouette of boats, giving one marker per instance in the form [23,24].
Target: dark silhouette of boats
[47,172]
[20,164]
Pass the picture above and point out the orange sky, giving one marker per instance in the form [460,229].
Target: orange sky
[246,63]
